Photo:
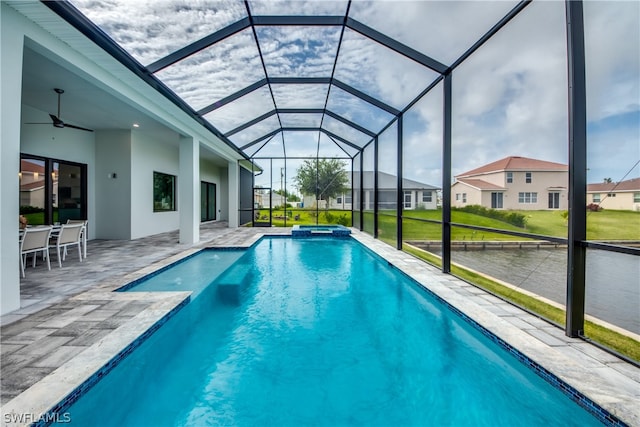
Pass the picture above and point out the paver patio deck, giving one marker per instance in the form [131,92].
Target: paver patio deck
[71,323]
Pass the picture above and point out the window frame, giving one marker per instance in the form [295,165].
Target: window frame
[528,177]
[528,197]
[509,177]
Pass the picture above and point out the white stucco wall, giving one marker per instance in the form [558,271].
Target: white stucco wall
[10,90]
[113,193]
[148,155]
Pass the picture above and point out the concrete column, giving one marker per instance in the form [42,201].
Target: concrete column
[234,193]
[189,190]
[11,47]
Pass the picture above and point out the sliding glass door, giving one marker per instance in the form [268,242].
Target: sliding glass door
[207,201]
[52,190]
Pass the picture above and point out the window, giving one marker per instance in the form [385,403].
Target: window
[407,199]
[164,192]
[596,197]
[527,177]
[464,197]
[509,177]
[611,194]
[636,197]
[427,196]
[527,197]
[347,200]
[457,196]
[339,200]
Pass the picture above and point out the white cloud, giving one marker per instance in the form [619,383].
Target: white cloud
[510,97]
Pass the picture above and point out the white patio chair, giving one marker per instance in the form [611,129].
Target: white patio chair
[83,235]
[70,234]
[34,240]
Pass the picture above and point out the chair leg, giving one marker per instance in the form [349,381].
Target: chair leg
[80,251]
[59,259]
[48,259]
[22,262]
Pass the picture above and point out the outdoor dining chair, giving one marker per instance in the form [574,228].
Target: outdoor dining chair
[83,234]
[69,235]
[34,240]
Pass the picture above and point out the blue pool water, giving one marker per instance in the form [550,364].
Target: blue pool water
[324,333]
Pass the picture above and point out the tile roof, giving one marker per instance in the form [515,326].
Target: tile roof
[516,163]
[628,185]
[480,184]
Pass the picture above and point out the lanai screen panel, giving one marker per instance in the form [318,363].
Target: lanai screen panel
[345,131]
[215,72]
[328,148]
[432,27]
[295,7]
[357,110]
[272,147]
[302,120]
[151,30]
[301,144]
[300,95]
[379,71]
[299,51]
[256,131]
[242,110]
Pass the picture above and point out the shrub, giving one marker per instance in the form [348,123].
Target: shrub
[594,207]
[343,220]
[30,209]
[329,217]
[513,218]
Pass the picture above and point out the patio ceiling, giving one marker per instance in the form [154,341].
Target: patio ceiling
[290,78]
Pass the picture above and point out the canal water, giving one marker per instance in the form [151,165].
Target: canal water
[613,279]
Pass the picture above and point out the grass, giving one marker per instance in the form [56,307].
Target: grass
[620,343]
[306,217]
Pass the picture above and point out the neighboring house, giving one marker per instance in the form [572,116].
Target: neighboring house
[264,199]
[416,194]
[518,183]
[32,185]
[624,195]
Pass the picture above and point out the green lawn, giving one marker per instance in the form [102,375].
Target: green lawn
[603,225]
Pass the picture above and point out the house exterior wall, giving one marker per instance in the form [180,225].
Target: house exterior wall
[113,205]
[623,200]
[542,183]
[149,155]
[464,195]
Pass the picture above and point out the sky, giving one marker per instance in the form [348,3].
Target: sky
[509,97]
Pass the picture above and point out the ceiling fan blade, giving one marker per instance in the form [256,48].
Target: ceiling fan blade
[37,123]
[67,125]
[56,121]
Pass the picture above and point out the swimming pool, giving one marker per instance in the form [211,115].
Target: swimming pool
[324,333]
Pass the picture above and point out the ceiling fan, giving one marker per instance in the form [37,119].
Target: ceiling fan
[56,121]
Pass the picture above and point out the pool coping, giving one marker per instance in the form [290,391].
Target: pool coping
[611,383]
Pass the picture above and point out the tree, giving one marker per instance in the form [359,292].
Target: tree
[324,178]
[607,180]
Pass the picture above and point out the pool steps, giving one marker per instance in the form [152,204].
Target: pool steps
[231,284]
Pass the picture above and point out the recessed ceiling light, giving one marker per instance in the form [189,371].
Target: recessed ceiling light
[136,125]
